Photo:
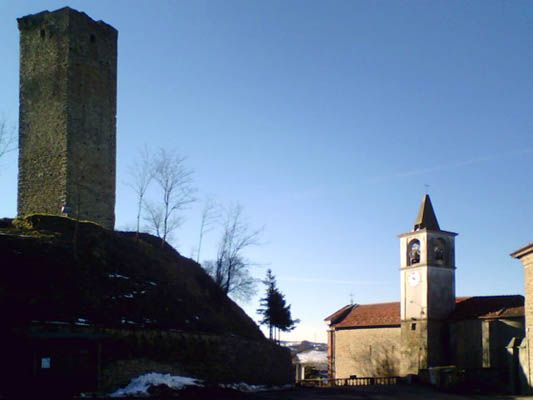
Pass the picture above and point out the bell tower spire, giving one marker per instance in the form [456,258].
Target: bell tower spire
[426,218]
[427,272]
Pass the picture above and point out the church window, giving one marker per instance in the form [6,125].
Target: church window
[413,326]
[413,252]
[439,250]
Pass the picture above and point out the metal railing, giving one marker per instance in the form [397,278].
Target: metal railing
[356,381]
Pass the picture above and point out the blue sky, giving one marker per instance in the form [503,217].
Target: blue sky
[325,120]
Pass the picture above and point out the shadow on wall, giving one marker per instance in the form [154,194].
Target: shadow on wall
[518,362]
[377,360]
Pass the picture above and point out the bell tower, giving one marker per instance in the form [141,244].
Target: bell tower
[427,275]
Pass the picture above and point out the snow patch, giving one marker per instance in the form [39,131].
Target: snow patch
[118,276]
[245,387]
[140,385]
[312,357]
[82,322]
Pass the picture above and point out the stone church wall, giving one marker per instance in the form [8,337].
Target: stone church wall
[467,343]
[501,332]
[482,343]
[367,352]
[527,362]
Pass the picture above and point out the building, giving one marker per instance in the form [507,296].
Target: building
[522,350]
[67,124]
[429,326]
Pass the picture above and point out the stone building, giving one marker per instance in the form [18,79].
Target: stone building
[522,350]
[67,138]
[429,326]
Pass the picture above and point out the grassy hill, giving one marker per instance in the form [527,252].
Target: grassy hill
[54,269]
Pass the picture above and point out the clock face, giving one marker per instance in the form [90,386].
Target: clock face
[414,278]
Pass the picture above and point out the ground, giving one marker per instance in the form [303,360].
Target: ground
[373,393]
[414,392]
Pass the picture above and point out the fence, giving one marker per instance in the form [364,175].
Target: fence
[356,381]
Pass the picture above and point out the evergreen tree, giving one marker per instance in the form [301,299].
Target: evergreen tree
[267,303]
[274,309]
[282,318]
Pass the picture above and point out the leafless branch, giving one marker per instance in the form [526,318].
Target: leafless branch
[154,217]
[231,268]
[7,138]
[175,184]
[141,175]
[210,216]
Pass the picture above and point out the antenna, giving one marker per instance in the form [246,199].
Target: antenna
[426,186]
[351,299]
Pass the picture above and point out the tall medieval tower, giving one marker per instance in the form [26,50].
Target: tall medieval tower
[427,291]
[67,134]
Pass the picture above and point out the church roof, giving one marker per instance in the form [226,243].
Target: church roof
[388,314]
[339,314]
[366,315]
[426,218]
[523,251]
[487,307]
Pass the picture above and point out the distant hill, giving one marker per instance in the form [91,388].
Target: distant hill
[304,345]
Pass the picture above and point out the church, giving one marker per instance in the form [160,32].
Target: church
[429,326]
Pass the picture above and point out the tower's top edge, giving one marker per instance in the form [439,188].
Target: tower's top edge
[32,20]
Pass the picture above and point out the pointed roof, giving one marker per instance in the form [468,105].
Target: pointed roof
[426,217]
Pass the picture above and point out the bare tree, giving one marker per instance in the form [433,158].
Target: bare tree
[231,269]
[154,218]
[141,175]
[7,138]
[210,215]
[174,181]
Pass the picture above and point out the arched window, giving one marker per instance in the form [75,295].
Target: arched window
[413,252]
[439,251]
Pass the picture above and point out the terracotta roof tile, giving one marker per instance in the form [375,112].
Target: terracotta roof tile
[388,314]
[489,307]
[382,314]
[339,314]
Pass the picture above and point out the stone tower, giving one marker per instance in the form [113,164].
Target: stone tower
[427,291]
[67,122]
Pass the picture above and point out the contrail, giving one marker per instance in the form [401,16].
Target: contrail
[334,281]
[457,164]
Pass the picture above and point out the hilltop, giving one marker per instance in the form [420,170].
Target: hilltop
[104,307]
[54,269]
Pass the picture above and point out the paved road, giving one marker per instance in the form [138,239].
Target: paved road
[413,392]
[373,393]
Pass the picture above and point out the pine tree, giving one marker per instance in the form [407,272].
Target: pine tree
[282,314]
[274,309]
[266,303]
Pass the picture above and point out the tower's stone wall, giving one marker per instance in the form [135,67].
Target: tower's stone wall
[67,139]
